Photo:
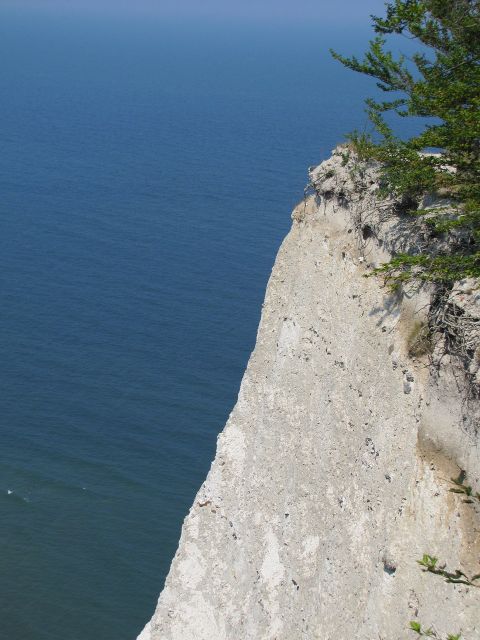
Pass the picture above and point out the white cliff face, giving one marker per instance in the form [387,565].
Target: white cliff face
[330,478]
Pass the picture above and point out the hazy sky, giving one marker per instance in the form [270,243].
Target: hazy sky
[304,11]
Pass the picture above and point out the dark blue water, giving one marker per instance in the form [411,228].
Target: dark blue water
[147,174]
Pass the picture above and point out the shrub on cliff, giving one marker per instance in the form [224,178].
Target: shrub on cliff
[441,82]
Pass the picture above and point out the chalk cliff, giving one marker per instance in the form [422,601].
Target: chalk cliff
[331,475]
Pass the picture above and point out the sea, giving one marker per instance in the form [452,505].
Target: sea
[148,169]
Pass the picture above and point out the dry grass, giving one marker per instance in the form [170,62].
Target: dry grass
[419,341]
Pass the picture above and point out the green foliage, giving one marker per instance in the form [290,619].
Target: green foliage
[466,490]
[363,145]
[430,563]
[424,267]
[440,82]
[430,633]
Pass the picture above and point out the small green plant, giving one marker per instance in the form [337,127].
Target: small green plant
[345,158]
[466,490]
[430,564]
[362,145]
[430,633]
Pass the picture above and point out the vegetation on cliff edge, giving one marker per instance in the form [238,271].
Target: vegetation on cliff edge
[441,83]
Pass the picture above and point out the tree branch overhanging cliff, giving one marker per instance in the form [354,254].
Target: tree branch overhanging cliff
[441,82]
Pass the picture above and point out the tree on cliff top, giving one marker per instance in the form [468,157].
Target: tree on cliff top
[441,82]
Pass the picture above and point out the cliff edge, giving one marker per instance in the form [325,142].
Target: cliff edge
[331,477]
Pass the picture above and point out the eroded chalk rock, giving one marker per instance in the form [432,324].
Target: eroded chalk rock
[331,475]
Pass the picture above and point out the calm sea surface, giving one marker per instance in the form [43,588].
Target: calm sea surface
[147,174]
